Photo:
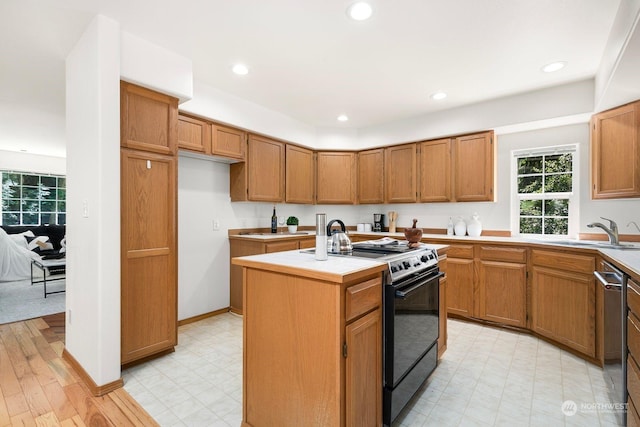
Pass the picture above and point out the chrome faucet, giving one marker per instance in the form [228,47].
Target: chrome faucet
[612,230]
[634,223]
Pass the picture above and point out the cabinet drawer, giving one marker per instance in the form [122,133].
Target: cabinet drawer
[633,298]
[307,243]
[564,261]
[502,253]
[633,420]
[281,246]
[362,298]
[460,251]
[633,336]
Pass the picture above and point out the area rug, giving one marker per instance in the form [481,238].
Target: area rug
[21,301]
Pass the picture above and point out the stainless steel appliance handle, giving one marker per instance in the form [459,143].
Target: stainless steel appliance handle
[406,291]
[617,285]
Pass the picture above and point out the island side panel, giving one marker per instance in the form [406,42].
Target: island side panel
[292,350]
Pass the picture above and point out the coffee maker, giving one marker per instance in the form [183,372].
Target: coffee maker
[378,222]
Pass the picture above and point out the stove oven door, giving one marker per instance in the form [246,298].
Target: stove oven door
[411,324]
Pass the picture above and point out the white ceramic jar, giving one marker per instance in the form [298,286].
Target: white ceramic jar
[474,228]
[460,227]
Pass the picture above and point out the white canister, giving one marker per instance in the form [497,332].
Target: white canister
[474,228]
[460,227]
[367,227]
[360,226]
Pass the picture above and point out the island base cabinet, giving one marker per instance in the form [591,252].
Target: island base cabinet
[563,308]
[363,371]
[295,339]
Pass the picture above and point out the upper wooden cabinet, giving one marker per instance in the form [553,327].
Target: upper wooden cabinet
[261,176]
[400,173]
[228,142]
[371,176]
[434,165]
[473,167]
[148,120]
[336,177]
[300,175]
[194,134]
[615,153]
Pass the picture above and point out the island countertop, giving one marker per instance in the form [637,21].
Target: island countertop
[337,269]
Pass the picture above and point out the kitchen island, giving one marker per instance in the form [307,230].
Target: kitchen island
[301,318]
[312,340]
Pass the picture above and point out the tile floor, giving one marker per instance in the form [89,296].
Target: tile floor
[487,377]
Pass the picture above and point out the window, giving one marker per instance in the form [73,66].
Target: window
[544,183]
[32,199]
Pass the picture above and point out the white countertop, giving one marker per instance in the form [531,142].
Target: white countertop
[628,259]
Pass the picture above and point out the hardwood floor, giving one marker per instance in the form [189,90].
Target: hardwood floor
[38,388]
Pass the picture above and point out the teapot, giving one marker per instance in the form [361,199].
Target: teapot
[337,240]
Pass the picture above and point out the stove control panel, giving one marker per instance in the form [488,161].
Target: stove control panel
[412,262]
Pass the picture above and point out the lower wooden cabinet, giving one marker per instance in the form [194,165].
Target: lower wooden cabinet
[363,371]
[563,299]
[305,362]
[460,285]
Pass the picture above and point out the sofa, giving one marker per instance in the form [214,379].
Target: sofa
[55,233]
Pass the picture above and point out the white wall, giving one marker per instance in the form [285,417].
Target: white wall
[215,104]
[93,180]
[27,162]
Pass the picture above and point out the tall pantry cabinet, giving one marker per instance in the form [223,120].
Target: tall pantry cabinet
[148,192]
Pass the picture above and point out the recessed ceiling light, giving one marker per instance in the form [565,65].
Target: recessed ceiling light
[240,69]
[343,118]
[360,11]
[438,96]
[554,66]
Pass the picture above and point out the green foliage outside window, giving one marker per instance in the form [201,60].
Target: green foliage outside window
[543,182]
[32,199]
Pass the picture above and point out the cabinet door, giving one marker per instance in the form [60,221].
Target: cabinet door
[289,245]
[336,178]
[300,175]
[148,254]
[228,142]
[364,371]
[473,168]
[435,171]
[563,308]
[194,134]
[400,172]
[502,295]
[265,169]
[460,286]
[148,120]
[371,176]
[615,153]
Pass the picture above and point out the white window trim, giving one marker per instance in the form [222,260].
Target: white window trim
[574,196]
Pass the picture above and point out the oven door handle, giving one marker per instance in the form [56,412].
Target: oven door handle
[406,291]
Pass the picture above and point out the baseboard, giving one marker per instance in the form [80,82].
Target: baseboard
[203,316]
[235,311]
[95,389]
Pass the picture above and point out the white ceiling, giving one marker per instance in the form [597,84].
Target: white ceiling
[306,58]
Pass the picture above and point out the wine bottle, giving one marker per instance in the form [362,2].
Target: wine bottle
[274,221]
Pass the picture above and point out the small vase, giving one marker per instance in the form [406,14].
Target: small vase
[460,228]
[475,226]
[292,228]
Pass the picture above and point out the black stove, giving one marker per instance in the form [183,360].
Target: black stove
[411,321]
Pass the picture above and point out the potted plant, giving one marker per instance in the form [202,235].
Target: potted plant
[292,223]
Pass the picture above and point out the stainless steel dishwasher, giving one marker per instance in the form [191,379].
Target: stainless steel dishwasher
[614,283]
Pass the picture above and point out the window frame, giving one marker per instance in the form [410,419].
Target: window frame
[572,196]
[40,199]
